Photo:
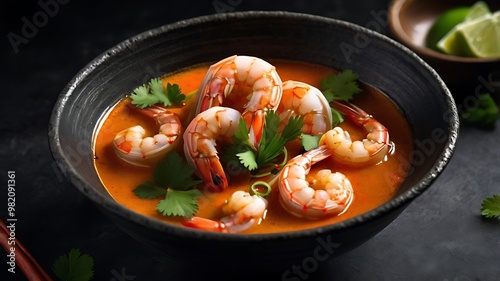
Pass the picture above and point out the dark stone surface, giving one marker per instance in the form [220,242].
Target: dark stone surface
[440,236]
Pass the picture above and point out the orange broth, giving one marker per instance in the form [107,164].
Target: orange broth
[372,185]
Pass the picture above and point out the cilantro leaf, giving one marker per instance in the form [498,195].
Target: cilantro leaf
[490,208]
[272,143]
[337,117]
[179,203]
[270,146]
[74,267]
[173,178]
[174,94]
[175,173]
[242,150]
[241,134]
[154,93]
[342,86]
[229,156]
[309,141]
[149,190]
[247,158]
[271,124]
[293,129]
[485,114]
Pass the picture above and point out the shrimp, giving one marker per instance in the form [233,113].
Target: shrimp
[242,209]
[200,141]
[253,78]
[132,147]
[307,101]
[371,150]
[328,194]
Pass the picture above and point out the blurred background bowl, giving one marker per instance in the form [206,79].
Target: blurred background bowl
[410,22]
[379,61]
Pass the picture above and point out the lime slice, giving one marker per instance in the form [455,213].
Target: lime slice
[446,22]
[477,10]
[475,38]
[482,36]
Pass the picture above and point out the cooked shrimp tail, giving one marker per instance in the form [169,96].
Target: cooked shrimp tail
[211,172]
[371,150]
[132,146]
[214,124]
[242,209]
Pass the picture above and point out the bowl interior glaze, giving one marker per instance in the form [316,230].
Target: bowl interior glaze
[380,62]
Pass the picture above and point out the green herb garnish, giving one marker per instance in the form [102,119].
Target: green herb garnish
[271,145]
[490,208]
[74,266]
[309,142]
[179,203]
[154,93]
[340,86]
[173,178]
[260,188]
[485,114]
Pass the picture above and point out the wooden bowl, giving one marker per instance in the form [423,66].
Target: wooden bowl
[409,23]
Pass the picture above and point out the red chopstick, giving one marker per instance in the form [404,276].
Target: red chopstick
[24,260]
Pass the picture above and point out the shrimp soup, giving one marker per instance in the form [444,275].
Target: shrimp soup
[371,185]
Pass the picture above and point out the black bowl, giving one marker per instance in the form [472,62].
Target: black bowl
[381,62]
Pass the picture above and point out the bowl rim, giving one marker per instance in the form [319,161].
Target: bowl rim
[396,28]
[118,209]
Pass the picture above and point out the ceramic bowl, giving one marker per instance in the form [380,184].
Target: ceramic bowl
[409,23]
[408,81]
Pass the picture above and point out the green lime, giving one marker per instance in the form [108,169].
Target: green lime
[444,23]
[477,10]
[480,37]
[476,36]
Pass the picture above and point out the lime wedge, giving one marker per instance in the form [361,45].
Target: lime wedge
[474,38]
[452,43]
[482,36]
[444,23]
[477,10]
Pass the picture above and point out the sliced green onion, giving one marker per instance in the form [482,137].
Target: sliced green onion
[193,93]
[285,159]
[254,188]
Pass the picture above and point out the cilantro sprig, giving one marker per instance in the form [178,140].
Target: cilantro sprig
[154,93]
[271,145]
[490,208]
[485,114]
[340,86]
[173,179]
[74,267]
